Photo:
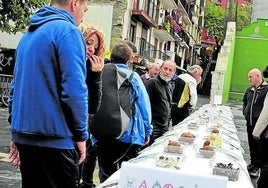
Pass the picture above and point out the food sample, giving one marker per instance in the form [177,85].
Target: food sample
[215,140]
[226,166]
[215,131]
[174,147]
[207,146]
[168,161]
[173,143]
[187,135]
[226,170]
[193,125]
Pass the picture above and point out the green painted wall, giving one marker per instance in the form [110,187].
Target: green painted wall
[250,51]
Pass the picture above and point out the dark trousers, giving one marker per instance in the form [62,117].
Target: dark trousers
[48,167]
[178,114]
[89,164]
[158,131]
[254,149]
[111,154]
[263,179]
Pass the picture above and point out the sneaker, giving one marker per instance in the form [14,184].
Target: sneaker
[253,170]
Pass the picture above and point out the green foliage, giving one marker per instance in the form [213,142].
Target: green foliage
[166,25]
[243,16]
[214,19]
[15,14]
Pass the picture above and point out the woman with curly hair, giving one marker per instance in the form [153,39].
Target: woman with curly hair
[95,61]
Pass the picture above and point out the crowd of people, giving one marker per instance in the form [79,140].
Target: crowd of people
[57,90]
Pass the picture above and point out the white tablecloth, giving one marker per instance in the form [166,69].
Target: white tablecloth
[192,162]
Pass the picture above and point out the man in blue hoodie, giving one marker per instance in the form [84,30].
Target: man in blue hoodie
[48,100]
[112,152]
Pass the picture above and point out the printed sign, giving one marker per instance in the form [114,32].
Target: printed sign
[137,176]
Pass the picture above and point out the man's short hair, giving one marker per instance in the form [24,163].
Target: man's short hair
[131,45]
[194,68]
[121,53]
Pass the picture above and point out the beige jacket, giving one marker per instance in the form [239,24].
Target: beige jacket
[262,120]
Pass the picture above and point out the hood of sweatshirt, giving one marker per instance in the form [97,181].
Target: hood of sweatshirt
[47,14]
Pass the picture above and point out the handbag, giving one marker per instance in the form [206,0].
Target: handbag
[264,134]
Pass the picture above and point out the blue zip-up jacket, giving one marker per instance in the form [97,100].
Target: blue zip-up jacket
[140,126]
[48,96]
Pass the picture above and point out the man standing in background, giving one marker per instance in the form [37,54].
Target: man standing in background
[152,72]
[160,93]
[252,106]
[185,93]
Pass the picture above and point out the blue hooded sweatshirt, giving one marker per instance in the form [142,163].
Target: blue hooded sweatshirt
[48,97]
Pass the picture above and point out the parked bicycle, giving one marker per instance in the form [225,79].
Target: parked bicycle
[5,81]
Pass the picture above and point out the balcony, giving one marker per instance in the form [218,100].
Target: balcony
[183,9]
[149,51]
[169,4]
[163,34]
[144,11]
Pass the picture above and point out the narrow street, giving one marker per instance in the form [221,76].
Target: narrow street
[10,176]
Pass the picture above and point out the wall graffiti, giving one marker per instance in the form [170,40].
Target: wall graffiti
[7,61]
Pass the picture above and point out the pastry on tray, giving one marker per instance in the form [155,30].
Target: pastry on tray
[173,147]
[187,137]
[207,150]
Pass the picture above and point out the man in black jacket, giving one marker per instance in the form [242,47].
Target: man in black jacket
[252,105]
[160,93]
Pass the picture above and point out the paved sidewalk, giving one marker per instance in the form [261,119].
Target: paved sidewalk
[10,176]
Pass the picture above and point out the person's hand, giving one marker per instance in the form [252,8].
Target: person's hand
[81,146]
[256,138]
[14,156]
[97,63]
[146,141]
[190,108]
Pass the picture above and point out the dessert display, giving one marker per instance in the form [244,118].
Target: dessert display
[193,125]
[173,143]
[226,170]
[207,150]
[173,147]
[203,115]
[187,137]
[215,140]
[168,161]
[207,146]
[215,131]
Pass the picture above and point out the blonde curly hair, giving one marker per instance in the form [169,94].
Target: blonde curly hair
[87,30]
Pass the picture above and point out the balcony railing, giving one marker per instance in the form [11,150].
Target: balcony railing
[149,51]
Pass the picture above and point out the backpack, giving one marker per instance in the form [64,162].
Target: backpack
[116,109]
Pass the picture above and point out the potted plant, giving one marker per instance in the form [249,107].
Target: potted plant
[166,25]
